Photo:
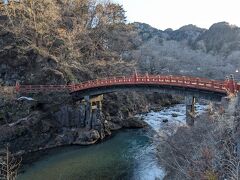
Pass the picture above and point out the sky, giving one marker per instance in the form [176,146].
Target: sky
[163,14]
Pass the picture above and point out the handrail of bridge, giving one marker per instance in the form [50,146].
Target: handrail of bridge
[199,83]
[181,81]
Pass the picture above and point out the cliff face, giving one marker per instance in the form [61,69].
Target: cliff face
[42,129]
[55,120]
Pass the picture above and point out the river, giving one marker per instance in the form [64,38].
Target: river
[128,154]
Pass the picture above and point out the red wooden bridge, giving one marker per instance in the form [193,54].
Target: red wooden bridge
[227,87]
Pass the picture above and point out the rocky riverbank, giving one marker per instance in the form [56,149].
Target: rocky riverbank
[52,121]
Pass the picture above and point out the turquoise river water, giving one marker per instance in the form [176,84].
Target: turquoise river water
[128,154]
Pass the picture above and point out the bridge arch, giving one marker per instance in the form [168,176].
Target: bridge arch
[162,89]
[176,85]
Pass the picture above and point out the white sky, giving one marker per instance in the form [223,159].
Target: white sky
[173,14]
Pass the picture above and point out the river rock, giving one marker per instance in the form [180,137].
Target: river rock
[67,137]
[113,126]
[174,115]
[134,122]
[87,137]
[165,120]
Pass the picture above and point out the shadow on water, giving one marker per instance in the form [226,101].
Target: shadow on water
[112,159]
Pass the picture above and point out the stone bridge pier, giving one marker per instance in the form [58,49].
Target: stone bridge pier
[85,114]
[238,99]
[93,112]
[190,109]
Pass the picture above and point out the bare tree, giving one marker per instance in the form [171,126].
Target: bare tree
[9,166]
[34,22]
[206,151]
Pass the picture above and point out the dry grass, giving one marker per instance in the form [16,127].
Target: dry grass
[8,92]
[207,151]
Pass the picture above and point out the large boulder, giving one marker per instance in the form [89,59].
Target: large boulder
[87,137]
[134,122]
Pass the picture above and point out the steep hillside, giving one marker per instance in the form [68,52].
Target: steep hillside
[212,53]
[221,38]
[65,50]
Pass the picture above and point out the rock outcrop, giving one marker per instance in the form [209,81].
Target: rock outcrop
[52,123]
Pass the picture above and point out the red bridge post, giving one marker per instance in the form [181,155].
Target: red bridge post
[135,76]
[72,87]
[17,86]
[147,77]
[231,85]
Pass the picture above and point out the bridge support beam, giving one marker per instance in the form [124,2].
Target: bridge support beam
[238,99]
[97,121]
[82,115]
[88,113]
[190,110]
[93,111]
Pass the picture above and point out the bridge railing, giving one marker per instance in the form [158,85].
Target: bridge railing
[43,88]
[199,83]
[181,81]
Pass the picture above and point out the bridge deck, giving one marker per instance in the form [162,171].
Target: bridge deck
[179,81]
[198,83]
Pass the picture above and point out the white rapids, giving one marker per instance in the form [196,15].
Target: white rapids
[148,167]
